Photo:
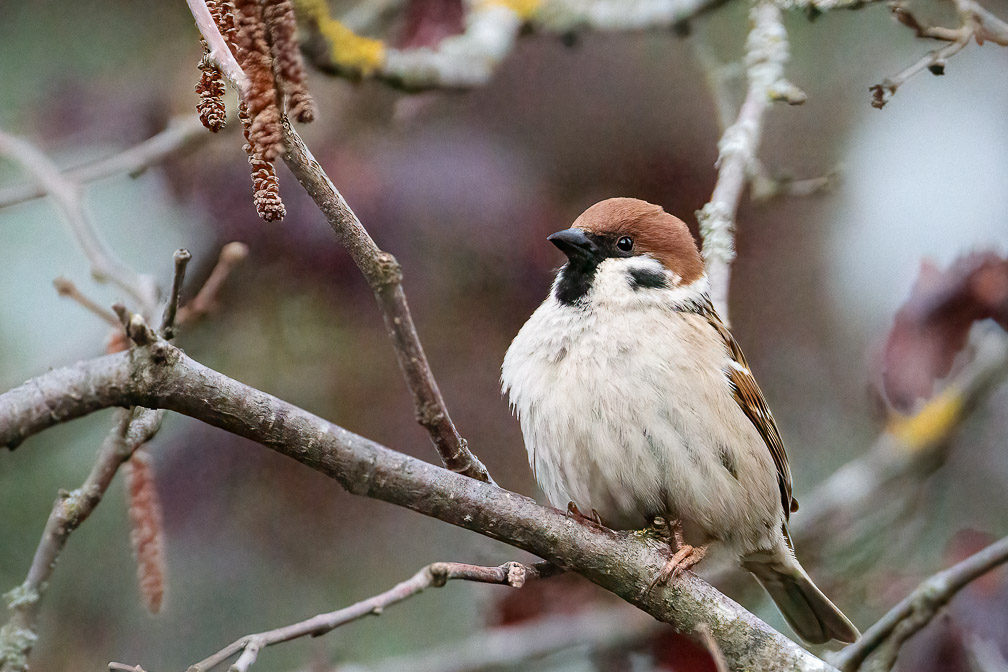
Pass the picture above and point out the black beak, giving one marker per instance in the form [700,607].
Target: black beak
[574,243]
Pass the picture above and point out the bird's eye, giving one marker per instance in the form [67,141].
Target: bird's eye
[625,243]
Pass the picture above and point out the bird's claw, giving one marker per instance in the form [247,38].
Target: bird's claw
[574,512]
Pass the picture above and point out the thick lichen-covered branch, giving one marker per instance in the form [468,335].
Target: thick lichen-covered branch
[490,31]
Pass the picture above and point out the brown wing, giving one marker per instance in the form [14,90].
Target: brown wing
[750,399]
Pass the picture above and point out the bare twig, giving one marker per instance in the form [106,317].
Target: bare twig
[119,667]
[599,629]
[762,185]
[136,327]
[704,635]
[181,258]
[180,134]
[383,274]
[976,23]
[819,6]
[105,266]
[885,638]
[766,54]
[17,637]
[218,48]
[231,255]
[909,448]
[512,574]
[624,563]
[66,288]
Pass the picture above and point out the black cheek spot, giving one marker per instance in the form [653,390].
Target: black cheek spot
[728,462]
[646,278]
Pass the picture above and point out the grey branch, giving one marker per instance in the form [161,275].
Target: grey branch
[598,629]
[435,575]
[181,259]
[383,274]
[105,266]
[976,23]
[66,288]
[182,133]
[17,637]
[904,451]
[161,376]
[220,52]
[885,638]
[491,30]
[230,256]
[766,55]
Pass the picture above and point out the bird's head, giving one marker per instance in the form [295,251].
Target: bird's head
[625,245]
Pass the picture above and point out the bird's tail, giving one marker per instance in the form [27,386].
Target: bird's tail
[809,613]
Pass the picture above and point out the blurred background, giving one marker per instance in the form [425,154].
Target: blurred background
[463,188]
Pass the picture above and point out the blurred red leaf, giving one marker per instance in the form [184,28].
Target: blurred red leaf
[933,324]
[430,21]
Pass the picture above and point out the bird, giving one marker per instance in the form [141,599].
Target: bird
[637,405]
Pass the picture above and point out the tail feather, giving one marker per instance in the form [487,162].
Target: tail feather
[809,613]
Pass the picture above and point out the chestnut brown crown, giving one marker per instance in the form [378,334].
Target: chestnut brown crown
[653,231]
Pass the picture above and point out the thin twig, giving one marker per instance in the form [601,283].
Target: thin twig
[181,258]
[220,52]
[704,635]
[17,637]
[180,134]
[162,376]
[908,448]
[435,575]
[105,266]
[66,288]
[918,608]
[383,274]
[766,55]
[976,23]
[599,630]
[231,255]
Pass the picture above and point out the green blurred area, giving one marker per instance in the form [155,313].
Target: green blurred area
[462,188]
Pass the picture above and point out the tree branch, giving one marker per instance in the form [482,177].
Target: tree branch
[161,376]
[435,575]
[18,635]
[909,447]
[105,266]
[220,52]
[598,629]
[975,23]
[383,274]
[766,55]
[470,58]
[180,134]
[916,610]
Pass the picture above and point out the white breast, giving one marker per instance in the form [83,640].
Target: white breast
[625,409]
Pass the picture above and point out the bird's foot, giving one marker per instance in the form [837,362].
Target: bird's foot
[683,559]
[685,556]
[574,512]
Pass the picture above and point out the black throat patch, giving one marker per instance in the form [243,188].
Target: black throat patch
[574,280]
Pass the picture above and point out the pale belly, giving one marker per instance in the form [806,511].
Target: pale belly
[635,433]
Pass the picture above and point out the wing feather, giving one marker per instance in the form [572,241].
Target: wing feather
[750,399]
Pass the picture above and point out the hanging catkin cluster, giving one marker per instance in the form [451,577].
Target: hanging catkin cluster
[262,35]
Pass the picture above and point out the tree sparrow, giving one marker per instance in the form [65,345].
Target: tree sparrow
[636,403]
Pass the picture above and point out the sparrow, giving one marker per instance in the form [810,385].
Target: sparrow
[637,404]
